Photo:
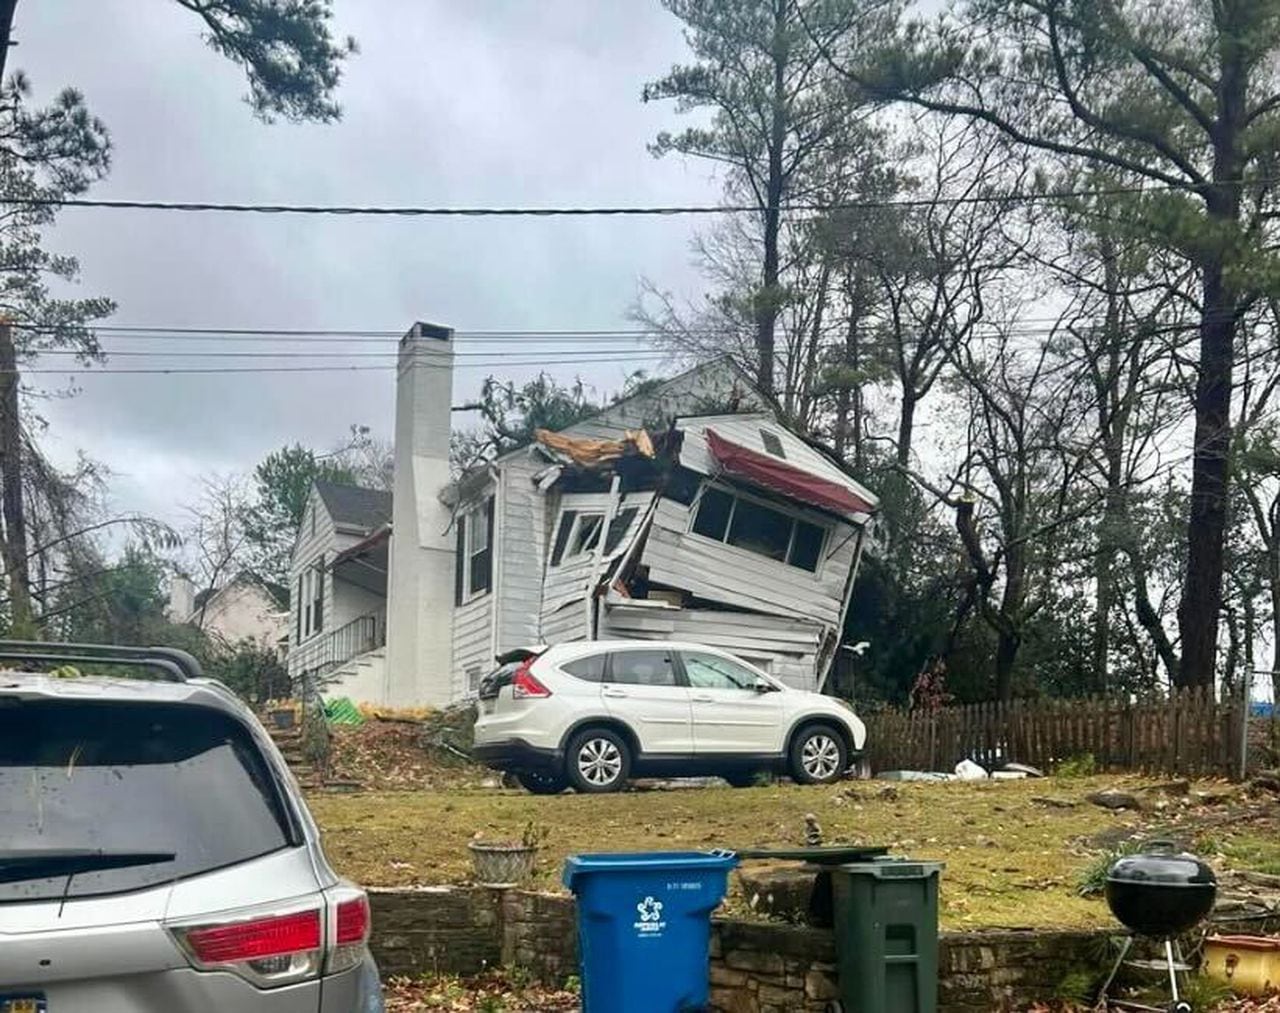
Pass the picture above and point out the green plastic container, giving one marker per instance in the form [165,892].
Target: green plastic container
[886,931]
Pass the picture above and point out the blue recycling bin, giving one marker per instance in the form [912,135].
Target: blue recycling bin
[644,927]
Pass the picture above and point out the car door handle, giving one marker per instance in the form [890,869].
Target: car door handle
[703,698]
[610,691]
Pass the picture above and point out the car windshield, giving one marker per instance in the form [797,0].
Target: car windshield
[159,791]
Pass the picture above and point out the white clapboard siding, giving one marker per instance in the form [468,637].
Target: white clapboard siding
[786,648]
[724,573]
[472,642]
[570,623]
[571,581]
[520,550]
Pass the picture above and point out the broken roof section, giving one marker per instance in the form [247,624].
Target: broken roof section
[754,448]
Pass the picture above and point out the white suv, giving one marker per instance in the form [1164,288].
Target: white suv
[591,715]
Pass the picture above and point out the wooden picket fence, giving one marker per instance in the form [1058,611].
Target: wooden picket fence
[1187,732]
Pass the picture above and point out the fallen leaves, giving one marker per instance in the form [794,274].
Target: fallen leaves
[494,992]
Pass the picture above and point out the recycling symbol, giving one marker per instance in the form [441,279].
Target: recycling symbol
[650,910]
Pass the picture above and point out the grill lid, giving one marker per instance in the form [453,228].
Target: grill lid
[1160,863]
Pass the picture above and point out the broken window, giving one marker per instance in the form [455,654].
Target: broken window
[578,534]
[752,525]
[618,528]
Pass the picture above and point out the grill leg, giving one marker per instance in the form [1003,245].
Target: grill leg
[1115,969]
[1173,974]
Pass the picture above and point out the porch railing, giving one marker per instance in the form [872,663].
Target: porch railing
[359,636]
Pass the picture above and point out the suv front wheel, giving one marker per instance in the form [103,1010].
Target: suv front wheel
[598,760]
[818,755]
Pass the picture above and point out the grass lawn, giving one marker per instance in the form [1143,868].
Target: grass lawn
[1011,861]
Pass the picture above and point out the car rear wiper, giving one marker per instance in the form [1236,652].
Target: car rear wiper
[16,866]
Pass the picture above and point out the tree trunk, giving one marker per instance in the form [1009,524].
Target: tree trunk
[766,309]
[7,7]
[1006,654]
[1201,602]
[15,521]
[1113,417]
[906,426]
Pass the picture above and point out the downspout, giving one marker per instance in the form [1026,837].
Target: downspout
[593,605]
[844,607]
[499,551]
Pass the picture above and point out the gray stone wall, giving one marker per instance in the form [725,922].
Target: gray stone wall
[756,967]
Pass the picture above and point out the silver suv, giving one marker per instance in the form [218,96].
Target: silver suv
[156,855]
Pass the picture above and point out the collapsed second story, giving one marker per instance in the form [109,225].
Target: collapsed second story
[686,512]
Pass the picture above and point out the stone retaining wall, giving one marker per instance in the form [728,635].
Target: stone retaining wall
[756,967]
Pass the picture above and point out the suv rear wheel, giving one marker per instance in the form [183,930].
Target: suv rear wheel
[818,755]
[598,760]
[541,783]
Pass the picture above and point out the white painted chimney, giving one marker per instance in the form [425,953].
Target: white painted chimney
[182,599]
[420,581]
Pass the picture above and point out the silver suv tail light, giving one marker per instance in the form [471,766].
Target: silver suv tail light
[273,947]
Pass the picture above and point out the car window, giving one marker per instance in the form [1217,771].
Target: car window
[710,671]
[590,668]
[643,668]
[157,778]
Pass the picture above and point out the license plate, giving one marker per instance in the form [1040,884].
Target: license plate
[23,1004]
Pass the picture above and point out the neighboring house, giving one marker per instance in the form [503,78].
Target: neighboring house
[338,588]
[686,512]
[244,608]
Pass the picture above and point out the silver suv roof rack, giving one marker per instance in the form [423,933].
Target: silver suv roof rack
[177,665]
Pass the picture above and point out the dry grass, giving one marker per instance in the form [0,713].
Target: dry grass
[1010,860]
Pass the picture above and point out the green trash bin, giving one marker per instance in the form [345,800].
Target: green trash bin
[886,932]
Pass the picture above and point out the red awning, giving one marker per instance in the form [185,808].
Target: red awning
[771,473]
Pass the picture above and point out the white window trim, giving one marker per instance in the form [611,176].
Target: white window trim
[467,520]
[794,515]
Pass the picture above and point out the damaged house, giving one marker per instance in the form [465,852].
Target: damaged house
[686,512]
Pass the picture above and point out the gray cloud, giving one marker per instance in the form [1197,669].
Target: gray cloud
[490,102]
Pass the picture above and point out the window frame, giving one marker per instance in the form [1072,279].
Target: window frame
[569,555]
[759,501]
[487,507]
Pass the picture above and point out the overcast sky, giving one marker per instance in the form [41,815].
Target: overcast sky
[487,102]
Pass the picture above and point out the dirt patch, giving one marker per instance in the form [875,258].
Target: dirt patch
[403,755]
[498,992]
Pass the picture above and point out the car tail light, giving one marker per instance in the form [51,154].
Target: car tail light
[350,929]
[525,685]
[264,949]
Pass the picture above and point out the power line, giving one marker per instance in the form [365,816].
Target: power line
[413,211]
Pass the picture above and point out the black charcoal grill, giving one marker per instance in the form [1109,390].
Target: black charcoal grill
[1159,894]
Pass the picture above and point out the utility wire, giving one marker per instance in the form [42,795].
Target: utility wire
[411,211]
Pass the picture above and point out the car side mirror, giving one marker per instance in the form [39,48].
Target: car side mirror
[766,687]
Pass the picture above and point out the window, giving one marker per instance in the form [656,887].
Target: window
[589,669]
[313,520]
[299,607]
[579,533]
[643,668]
[756,527]
[772,444]
[618,528]
[165,779]
[479,547]
[473,564]
[751,525]
[714,511]
[710,671]
[317,594]
[473,679]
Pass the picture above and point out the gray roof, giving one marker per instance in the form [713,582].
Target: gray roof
[355,505]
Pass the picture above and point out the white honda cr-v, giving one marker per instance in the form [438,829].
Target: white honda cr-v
[591,715]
